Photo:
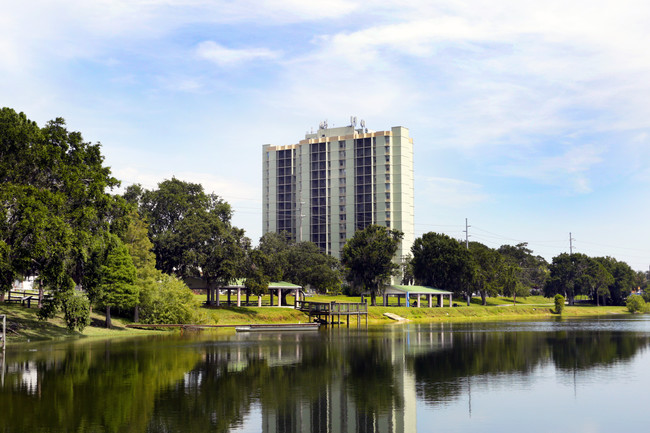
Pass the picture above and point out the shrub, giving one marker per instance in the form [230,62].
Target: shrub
[76,310]
[559,303]
[168,300]
[635,304]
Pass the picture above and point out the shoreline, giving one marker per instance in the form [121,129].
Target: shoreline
[25,327]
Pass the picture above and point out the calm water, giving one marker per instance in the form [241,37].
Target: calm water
[546,376]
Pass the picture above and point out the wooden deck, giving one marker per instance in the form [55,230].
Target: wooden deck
[331,312]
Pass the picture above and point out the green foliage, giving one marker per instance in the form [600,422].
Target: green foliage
[136,240]
[559,303]
[624,279]
[635,304]
[118,277]
[487,269]
[600,277]
[277,258]
[511,284]
[53,201]
[191,231]
[169,300]
[533,270]
[368,258]
[565,272]
[442,262]
[308,266]
[76,309]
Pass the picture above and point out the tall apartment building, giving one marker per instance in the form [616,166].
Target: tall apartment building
[337,181]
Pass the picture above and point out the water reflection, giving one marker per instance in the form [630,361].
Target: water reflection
[332,381]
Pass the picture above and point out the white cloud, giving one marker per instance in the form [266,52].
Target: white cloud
[223,56]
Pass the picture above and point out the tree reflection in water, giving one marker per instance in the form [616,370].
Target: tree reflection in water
[331,381]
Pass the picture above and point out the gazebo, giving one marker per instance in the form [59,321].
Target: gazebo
[413,294]
[239,288]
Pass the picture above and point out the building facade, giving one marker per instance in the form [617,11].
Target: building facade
[337,181]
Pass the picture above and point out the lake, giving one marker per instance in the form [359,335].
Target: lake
[560,375]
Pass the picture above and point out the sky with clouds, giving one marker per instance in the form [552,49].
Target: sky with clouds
[530,119]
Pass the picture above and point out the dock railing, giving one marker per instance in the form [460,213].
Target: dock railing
[329,310]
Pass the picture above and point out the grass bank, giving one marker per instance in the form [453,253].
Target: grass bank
[24,326]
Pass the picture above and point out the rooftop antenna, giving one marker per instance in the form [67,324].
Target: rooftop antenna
[353,121]
[363,125]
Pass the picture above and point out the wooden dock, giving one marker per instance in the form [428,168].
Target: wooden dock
[331,312]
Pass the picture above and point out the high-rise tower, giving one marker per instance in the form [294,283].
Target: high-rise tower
[337,181]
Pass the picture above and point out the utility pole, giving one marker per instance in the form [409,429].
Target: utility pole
[571,243]
[469,295]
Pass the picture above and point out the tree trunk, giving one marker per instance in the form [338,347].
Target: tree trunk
[514,298]
[469,299]
[483,298]
[2,296]
[40,295]
[373,298]
[108,317]
[136,314]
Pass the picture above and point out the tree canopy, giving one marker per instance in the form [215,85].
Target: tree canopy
[368,258]
[442,262]
[54,200]
[191,231]
[487,270]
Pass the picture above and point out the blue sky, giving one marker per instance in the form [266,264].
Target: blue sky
[531,119]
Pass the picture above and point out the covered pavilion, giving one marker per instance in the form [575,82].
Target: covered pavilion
[412,295]
[238,287]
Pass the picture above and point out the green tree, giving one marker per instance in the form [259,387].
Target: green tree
[368,258]
[309,266]
[53,200]
[301,263]
[511,284]
[566,272]
[76,309]
[275,248]
[635,304]
[191,231]
[624,279]
[597,280]
[487,268]
[136,240]
[533,269]
[118,277]
[559,303]
[442,262]
[167,300]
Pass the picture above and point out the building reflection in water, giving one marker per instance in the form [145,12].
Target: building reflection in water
[305,384]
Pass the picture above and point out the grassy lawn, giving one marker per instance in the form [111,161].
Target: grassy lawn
[23,326]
